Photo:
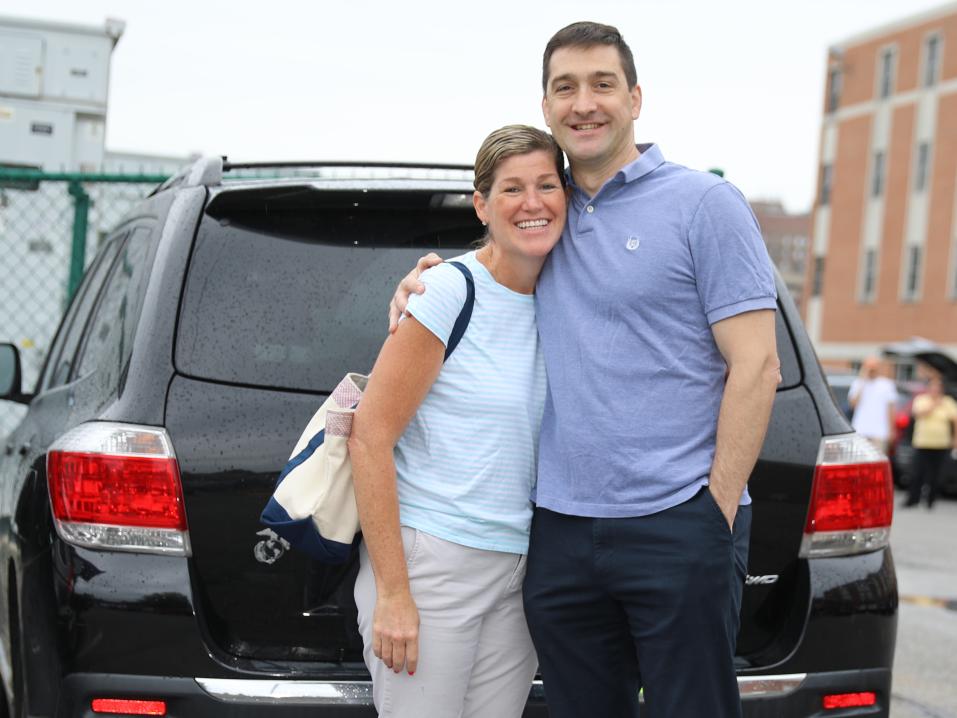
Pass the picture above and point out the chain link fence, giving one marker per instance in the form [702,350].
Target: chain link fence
[51,225]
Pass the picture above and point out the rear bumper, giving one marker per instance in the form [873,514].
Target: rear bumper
[806,699]
[764,696]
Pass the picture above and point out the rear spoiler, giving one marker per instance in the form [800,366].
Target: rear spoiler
[209,171]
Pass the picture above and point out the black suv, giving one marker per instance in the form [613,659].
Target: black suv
[137,579]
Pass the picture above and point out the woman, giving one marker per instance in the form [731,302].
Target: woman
[935,435]
[443,459]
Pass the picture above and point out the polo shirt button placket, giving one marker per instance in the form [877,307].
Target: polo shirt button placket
[584,224]
[585,215]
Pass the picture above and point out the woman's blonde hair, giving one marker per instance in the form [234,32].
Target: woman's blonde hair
[510,141]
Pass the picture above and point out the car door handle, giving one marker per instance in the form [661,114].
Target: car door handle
[24,448]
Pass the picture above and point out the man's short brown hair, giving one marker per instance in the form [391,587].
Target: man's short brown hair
[589,34]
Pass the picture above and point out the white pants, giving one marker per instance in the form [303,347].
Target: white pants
[476,659]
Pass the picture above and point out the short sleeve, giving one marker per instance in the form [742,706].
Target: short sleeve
[920,403]
[732,269]
[891,391]
[952,406]
[855,389]
[440,305]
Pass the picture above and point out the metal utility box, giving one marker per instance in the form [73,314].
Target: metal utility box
[37,134]
[54,88]
[21,64]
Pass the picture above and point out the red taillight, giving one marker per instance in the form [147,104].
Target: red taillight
[852,499]
[117,486]
[126,706]
[851,496]
[902,420]
[850,700]
[120,490]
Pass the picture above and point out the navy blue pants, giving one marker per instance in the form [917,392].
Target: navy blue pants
[615,605]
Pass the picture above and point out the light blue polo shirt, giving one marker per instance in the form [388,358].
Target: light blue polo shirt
[625,305]
[465,465]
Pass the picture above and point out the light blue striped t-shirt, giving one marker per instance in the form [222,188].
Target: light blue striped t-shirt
[466,462]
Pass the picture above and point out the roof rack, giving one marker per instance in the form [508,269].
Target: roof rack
[203,172]
[227,166]
[208,171]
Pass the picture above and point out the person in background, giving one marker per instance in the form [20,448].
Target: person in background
[873,398]
[935,435]
[443,458]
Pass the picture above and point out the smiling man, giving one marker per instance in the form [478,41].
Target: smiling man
[656,318]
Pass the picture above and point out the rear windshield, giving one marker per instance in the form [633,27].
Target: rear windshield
[289,287]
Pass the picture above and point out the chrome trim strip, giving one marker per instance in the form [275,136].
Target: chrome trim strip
[770,686]
[313,693]
[319,693]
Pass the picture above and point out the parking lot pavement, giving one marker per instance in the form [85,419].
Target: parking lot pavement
[925,554]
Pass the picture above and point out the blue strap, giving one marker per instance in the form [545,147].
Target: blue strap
[462,321]
[301,457]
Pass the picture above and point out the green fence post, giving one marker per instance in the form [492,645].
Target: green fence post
[81,211]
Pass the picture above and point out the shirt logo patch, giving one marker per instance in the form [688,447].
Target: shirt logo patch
[632,244]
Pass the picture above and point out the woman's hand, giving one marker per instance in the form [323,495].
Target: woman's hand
[395,631]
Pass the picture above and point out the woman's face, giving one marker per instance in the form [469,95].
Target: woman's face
[525,209]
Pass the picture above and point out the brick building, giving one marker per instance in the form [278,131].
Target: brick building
[883,257]
[786,236]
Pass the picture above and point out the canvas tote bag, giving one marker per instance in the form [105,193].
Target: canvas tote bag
[313,505]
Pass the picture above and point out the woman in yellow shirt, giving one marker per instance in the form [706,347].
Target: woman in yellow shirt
[935,436]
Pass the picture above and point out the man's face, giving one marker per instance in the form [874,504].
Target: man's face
[589,107]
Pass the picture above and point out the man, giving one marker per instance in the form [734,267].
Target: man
[656,317]
[873,399]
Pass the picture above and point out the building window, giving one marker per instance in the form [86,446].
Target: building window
[818,280]
[799,252]
[877,175]
[825,198]
[953,270]
[869,280]
[923,166]
[931,60]
[833,89]
[912,279]
[906,371]
[886,74]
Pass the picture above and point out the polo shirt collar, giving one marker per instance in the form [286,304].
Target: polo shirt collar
[649,160]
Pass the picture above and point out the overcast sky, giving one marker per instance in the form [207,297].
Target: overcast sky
[736,84]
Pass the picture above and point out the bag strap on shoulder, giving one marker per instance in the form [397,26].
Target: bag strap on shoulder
[462,321]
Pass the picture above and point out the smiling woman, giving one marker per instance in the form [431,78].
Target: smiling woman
[520,198]
[443,473]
